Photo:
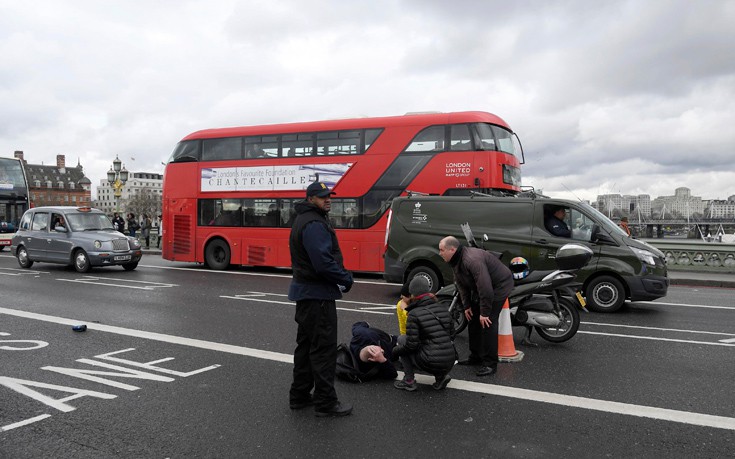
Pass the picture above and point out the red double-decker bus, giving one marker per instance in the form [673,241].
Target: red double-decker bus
[229,194]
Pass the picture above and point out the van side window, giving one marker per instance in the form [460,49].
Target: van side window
[581,225]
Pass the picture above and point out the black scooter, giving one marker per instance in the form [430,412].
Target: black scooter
[545,300]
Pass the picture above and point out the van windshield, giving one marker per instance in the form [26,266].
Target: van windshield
[603,221]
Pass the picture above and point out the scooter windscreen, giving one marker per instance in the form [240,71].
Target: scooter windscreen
[573,256]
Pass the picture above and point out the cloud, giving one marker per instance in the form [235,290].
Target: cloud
[635,95]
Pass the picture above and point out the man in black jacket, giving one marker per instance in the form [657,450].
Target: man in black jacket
[319,278]
[427,343]
[484,284]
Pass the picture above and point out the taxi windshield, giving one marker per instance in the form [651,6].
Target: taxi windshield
[89,222]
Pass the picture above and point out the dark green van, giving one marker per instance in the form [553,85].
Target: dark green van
[622,268]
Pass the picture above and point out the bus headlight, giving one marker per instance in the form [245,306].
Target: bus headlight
[644,255]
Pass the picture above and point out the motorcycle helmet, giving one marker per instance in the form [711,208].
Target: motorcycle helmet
[519,268]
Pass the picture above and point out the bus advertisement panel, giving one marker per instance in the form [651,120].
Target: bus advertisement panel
[229,194]
[13,198]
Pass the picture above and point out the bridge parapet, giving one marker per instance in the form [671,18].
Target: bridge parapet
[693,255]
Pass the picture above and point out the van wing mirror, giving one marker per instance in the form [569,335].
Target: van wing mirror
[599,236]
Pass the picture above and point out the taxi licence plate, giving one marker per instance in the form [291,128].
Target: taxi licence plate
[581,299]
[122,258]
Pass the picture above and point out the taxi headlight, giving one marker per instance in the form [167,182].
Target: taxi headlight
[134,243]
[97,244]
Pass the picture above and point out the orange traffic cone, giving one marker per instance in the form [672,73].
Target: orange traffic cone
[506,349]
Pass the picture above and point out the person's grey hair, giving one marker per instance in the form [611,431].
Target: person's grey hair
[451,242]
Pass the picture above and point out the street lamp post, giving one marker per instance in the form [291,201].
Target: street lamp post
[116,177]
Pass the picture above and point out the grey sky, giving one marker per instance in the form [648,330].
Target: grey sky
[618,96]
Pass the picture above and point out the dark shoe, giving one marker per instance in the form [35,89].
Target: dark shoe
[300,405]
[485,371]
[469,361]
[441,384]
[339,409]
[405,385]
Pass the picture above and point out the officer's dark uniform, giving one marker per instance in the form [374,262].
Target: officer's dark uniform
[318,271]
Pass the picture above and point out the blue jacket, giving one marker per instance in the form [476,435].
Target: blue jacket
[363,335]
[315,243]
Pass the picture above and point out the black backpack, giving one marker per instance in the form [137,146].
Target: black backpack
[347,366]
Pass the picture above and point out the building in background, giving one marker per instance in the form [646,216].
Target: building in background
[720,208]
[57,185]
[681,204]
[141,193]
[624,205]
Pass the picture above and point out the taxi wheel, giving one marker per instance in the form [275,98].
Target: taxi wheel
[130,266]
[605,294]
[23,259]
[81,262]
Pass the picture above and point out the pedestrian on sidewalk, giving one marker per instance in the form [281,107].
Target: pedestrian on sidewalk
[145,228]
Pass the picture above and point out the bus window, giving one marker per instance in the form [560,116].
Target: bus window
[486,138]
[261,147]
[219,149]
[371,135]
[338,143]
[185,151]
[344,213]
[374,204]
[505,140]
[298,144]
[288,213]
[403,170]
[459,137]
[430,139]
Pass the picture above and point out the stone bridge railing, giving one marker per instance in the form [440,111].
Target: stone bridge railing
[694,255]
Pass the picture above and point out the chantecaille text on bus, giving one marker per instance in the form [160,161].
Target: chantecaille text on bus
[271,178]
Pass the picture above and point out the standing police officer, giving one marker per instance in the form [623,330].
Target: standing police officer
[319,278]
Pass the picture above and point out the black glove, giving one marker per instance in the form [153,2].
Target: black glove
[397,351]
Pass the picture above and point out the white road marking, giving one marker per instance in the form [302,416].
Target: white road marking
[697,332]
[19,272]
[656,338]
[258,296]
[684,305]
[24,422]
[93,280]
[241,273]
[732,340]
[682,417]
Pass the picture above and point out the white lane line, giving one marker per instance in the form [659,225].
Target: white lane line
[655,338]
[24,423]
[732,340]
[93,280]
[684,305]
[697,332]
[682,417]
[249,297]
[240,273]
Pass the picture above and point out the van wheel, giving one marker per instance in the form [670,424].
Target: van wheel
[427,273]
[217,255]
[605,294]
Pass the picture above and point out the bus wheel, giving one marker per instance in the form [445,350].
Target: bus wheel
[426,272]
[217,255]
